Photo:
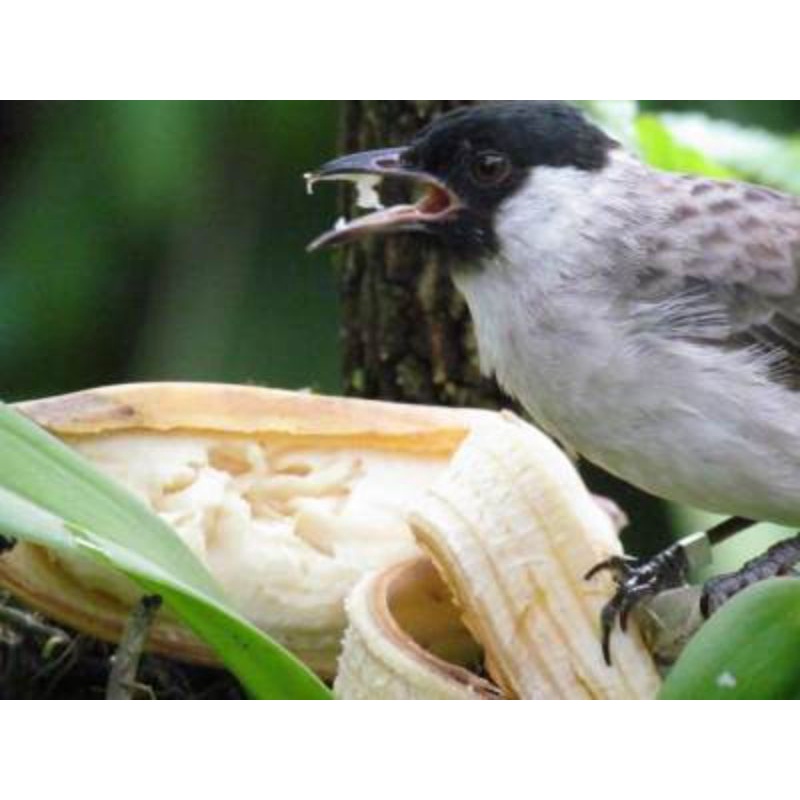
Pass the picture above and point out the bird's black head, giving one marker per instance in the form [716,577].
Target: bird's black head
[468,162]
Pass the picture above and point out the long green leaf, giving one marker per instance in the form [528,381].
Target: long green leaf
[749,650]
[52,497]
[38,467]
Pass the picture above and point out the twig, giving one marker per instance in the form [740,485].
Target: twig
[125,661]
[33,624]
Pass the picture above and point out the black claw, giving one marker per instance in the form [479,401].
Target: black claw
[636,582]
[636,594]
[624,614]
[607,646]
[619,566]
[598,568]
[607,617]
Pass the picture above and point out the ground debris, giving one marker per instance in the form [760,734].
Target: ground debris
[41,661]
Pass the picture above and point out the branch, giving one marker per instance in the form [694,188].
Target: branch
[125,662]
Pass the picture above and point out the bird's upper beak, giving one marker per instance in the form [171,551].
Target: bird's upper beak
[367,170]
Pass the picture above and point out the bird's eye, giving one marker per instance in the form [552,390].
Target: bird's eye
[490,168]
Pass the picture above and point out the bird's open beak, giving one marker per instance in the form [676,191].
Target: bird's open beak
[367,170]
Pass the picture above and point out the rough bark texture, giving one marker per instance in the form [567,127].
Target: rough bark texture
[407,333]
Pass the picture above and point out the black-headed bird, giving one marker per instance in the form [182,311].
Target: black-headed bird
[648,320]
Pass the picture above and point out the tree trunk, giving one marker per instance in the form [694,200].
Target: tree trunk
[407,334]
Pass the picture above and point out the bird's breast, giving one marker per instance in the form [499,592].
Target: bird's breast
[695,424]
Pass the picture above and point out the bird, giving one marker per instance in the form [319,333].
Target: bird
[648,320]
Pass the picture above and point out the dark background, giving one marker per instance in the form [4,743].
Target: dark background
[165,240]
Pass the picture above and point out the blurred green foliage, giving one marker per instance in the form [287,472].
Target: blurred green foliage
[163,240]
[658,146]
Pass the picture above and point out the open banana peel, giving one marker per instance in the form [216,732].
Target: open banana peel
[512,530]
[409,552]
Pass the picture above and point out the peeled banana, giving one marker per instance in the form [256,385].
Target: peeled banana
[287,497]
[512,530]
[449,544]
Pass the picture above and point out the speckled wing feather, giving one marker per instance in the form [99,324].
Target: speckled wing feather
[724,268]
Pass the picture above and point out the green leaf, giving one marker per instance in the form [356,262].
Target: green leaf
[749,650]
[752,152]
[52,497]
[661,149]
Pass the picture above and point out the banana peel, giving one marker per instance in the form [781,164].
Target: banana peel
[406,641]
[512,530]
[411,552]
[287,497]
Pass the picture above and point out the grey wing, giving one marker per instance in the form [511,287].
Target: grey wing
[724,268]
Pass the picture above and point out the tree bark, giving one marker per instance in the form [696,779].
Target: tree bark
[407,334]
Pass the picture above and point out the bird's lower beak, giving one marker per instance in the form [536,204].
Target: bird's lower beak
[367,170]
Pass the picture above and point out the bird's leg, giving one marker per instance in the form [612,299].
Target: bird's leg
[637,580]
[779,560]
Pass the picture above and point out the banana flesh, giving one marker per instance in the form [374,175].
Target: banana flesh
[448,543]
[512,530]
[287,497]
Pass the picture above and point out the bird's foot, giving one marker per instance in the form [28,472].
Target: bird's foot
[780,560]
[636,581]
[6,544]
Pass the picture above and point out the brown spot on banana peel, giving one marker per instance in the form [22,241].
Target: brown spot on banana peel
[82,411]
